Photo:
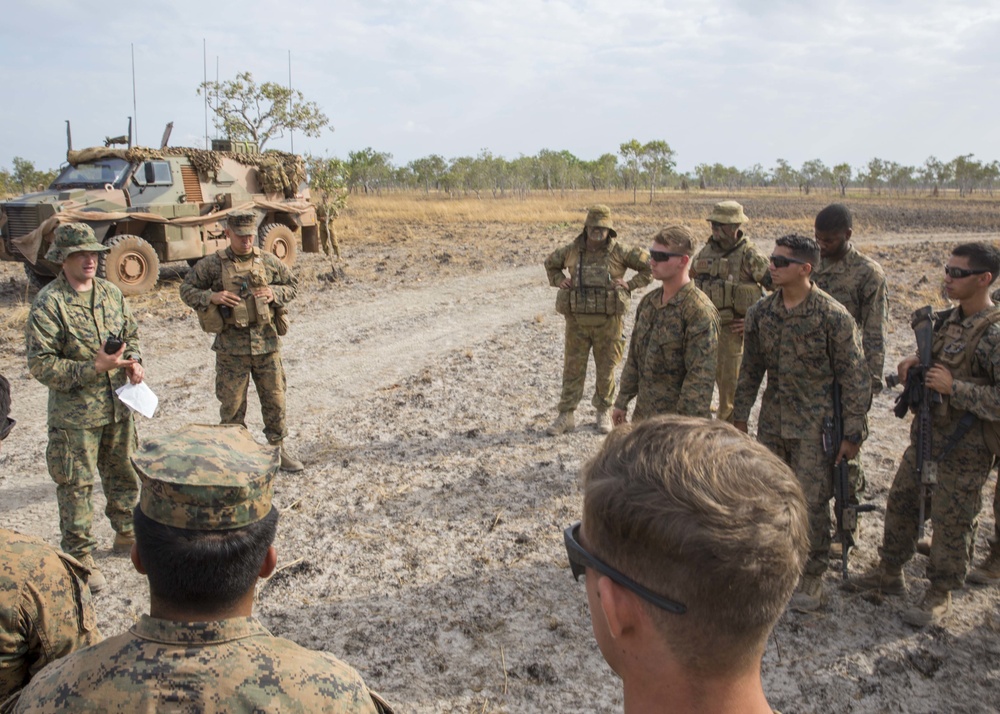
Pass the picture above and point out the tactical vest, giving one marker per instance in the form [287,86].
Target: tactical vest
[241,277]
[594,291]
[718,274]
[953,347]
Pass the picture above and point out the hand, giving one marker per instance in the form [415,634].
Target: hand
[622,283]
[939,379]
[737,327]
[224,297]
[103,362]
[904,368]
[847,451]
[618,416]
[135,372]
[264,292]
[741,425]
[566,283]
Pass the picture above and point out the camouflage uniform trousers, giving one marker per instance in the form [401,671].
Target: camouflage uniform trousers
[812,467]
[73,457]
[727,371]
[232,379]
[954,508]
[608,344]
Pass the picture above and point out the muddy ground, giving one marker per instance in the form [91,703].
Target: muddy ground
[423,542]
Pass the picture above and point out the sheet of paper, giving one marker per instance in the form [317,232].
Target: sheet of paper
[139,398]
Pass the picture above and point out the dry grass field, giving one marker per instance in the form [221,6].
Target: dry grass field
[423,542]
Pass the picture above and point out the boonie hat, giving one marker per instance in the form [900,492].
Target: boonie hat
[206,477]
[727,212]
[242,223]
[599,216]
[73,238]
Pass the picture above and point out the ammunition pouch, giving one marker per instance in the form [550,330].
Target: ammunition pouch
[744,296]
[596,301]
[210,319]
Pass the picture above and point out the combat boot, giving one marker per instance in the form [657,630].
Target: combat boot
[935,606]
[288,462]
[809,595]
[987,572]
[123,543]
[604,424]
[564,423]
[884,579]
[96,579]
[924,547]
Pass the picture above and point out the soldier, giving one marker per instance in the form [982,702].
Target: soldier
[693,537]
[733,273]
[73,323]
[804,340]
[594,298]
[204,532]
[241,293]
[675,342]
[966,373]
[858,283]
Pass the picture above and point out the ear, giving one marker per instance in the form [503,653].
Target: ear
[849,233]
[269,564]
[136,560]
[617,607]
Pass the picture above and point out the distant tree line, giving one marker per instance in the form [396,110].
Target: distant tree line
[23,178]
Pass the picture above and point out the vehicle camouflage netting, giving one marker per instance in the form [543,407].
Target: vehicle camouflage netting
[278,172]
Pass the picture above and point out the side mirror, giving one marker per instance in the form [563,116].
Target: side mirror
[149,172]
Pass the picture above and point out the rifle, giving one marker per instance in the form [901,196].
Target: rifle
[845,512]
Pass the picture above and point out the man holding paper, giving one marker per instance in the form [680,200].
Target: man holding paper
[83,343]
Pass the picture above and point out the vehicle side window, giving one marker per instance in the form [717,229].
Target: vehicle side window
[155,173]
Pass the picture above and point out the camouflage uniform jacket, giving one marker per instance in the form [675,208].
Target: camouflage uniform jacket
[229,666]
[63,334]
[613,260]
[671,359]
[751,271]
[801,351]
[206,277]
[45,608]
[858,283]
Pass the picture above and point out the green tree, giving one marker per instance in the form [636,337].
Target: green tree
[631,151]
[842,175]
[245,110]
[968,173]
[368,169]
[328,184]
[428,170]
[813,173]
[784,175]
[873,174]
[658,159]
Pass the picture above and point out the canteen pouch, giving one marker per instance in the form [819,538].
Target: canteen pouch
[210,319]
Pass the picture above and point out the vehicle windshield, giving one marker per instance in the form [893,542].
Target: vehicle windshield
[94,174]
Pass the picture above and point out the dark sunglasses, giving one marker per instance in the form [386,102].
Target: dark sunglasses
[580,560]
[5,429]
[956,273]
[661,256]
[780,261]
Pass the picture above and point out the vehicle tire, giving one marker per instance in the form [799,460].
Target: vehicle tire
[131,264]
[280,240]
[36,281]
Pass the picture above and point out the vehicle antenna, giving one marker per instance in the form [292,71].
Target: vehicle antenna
[291,132]
[135,112]
[204,61]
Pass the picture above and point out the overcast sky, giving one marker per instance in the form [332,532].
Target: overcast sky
[738,82]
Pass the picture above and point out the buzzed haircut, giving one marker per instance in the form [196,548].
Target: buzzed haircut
[801,247]
[699,512]
[981,256]
[835,217]
[680,238]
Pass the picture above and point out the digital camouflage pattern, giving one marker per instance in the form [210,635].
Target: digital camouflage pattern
[225,667]
[72,238]
[232,380]
[45,608]
[204,477]
[670,367]
[957,497]
[242,223]
[801,351]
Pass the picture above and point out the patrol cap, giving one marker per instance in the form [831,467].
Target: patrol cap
[204,477]
[242,223]
[727,212]
[73,238]
[599,216]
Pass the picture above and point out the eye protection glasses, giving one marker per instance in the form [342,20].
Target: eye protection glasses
[580,560]
[780,261]
[662,256]
[957,273]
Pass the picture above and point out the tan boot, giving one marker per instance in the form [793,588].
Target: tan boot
[884,579]
[987,572]
[935,606]
[564,423]
[123,543]
[288,462]
[604,424]
[924,547]
[96,580]
[809,595]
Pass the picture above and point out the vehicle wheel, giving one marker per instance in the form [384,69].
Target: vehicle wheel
[280,240]
[131,264]
[36,280]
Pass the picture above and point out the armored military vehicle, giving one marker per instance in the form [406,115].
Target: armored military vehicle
[153,206]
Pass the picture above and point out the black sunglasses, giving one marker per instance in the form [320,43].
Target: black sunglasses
[5,429]
[780,261]
[662,256]
[956,273]
[580,560]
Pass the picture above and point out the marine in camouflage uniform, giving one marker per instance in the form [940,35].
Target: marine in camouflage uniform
[802,350]
[201,485]
[593,297]
[90,429]
[858,283]
[966,372]
[239,293]
[45,608]
[733,273]
[670,368]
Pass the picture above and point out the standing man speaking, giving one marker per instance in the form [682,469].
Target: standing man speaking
[240,293]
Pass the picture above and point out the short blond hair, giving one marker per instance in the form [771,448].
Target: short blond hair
[700,513]
[680,238]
